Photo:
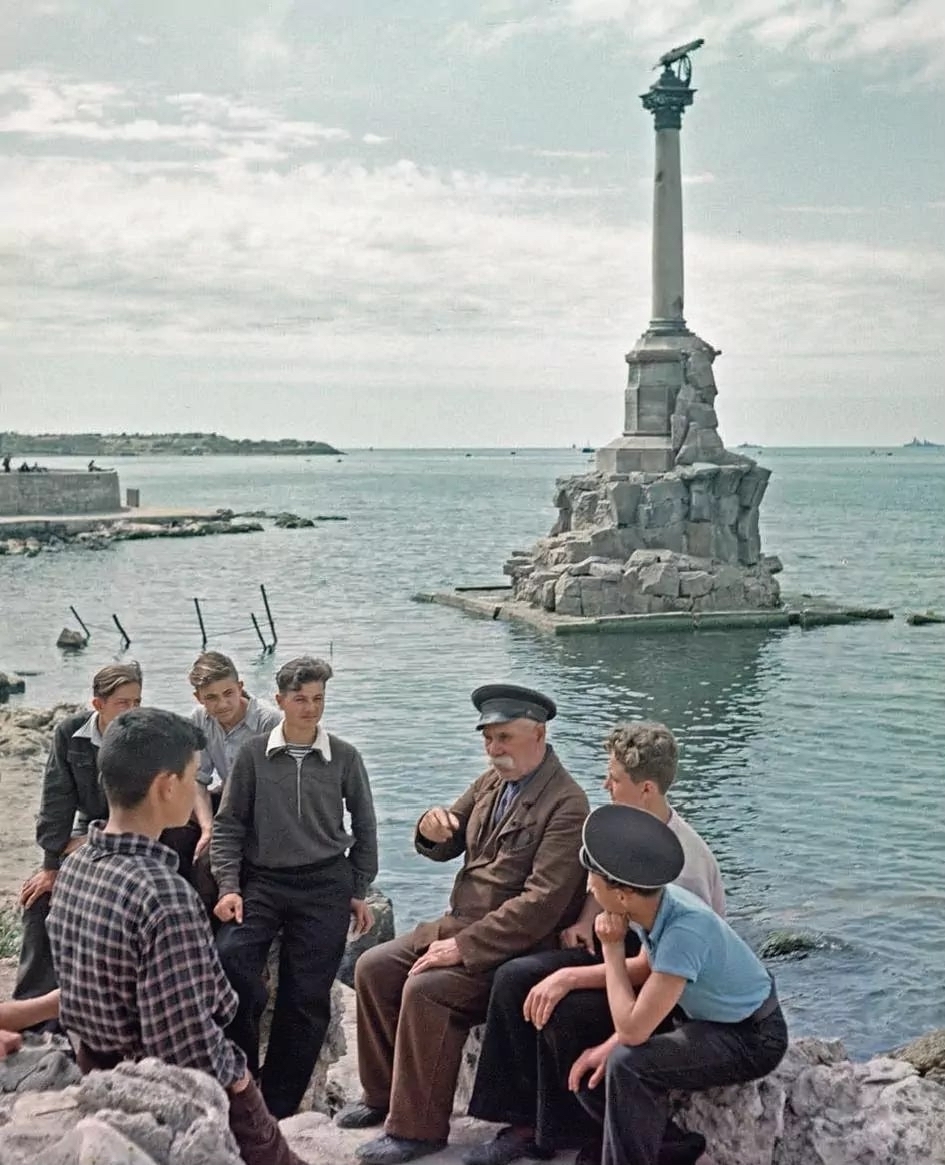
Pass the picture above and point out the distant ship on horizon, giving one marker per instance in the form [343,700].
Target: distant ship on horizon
[915,443]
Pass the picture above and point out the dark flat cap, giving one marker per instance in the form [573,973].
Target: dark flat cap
[499,703]
[631,846]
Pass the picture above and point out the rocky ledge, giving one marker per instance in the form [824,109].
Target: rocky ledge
[55,538]
[818,1106]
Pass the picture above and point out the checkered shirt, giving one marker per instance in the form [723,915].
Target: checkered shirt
[135,958]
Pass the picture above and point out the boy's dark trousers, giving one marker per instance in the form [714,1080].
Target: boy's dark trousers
[522,1076]
[633,1107]
[311,907]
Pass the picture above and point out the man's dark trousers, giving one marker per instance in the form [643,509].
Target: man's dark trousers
[311,907]
[521,1078]
[35,974]
[634,1106]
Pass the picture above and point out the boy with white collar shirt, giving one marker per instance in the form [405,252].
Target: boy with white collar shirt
[284,862]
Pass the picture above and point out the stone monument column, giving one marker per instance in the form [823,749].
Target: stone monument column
[657,363]
[669,522]
[666,100]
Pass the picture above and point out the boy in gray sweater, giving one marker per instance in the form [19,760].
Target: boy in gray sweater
[284,862]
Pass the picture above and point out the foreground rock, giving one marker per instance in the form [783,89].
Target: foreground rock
[818,1108]
[26,733]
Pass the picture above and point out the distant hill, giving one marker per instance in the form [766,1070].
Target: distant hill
[141,444]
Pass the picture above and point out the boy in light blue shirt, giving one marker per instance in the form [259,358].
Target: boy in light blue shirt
[695,1009]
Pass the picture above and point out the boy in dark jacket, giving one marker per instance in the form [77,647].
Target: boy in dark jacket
[70,786]
[285,863]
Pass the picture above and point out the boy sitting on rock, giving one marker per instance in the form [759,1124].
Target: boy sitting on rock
[137,969]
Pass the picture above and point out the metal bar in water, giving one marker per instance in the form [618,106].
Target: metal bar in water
[203,630]
[78,619]
[272,626]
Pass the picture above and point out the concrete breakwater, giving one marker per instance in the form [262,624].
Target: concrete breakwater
[31,536]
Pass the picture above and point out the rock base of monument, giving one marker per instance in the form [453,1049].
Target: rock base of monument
[652,543]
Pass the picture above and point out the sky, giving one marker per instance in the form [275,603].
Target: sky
[427,223]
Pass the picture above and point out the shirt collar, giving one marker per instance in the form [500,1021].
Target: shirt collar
[101,844]
[662,917]
[277,743]
[89,731]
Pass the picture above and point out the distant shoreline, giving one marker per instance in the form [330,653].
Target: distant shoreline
[150,444]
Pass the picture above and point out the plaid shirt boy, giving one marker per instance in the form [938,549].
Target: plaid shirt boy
[135,958]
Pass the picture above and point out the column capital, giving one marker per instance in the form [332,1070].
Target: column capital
[667,98]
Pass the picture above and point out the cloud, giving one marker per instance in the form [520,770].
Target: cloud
[220,230]
[872,31]
[827,209]
[373,139]
[43,107]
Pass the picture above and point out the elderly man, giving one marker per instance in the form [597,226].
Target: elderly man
[545,1008]
[519,827]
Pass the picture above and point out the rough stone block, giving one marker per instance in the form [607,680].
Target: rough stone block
[753,485]
[772,564]
[695,582]
[607,543]
[703,415]
[679,426]
[632,602]
[729,510]
[699,538]
[584,566]
[642,558]
[728,480]
[623,498]
[600,597]
[606,570]
[589,509]
[660,578]
[701,504]
[568,596]
[548,595]
[724,544]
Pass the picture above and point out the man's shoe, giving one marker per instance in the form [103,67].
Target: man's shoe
[590,1153]
[388,1150]
[360,1116]
[508,1145]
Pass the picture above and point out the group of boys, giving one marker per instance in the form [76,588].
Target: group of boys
[593,947]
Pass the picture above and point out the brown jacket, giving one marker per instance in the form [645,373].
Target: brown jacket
[521,880]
